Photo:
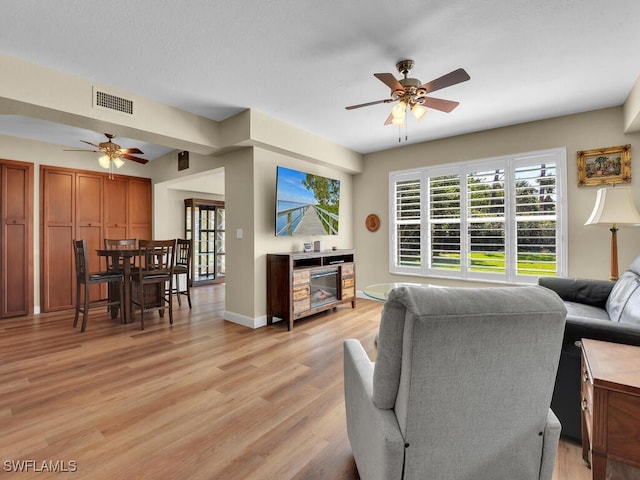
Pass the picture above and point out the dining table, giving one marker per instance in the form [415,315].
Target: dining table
[127,255]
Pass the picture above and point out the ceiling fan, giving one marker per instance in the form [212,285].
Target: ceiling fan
[411,93]
[113,153]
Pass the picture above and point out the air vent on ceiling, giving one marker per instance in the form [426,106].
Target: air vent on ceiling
[108,101]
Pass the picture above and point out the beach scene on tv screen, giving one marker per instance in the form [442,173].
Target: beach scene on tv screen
[307,204]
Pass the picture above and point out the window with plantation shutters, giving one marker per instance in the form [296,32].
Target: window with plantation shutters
[486,221]
[499,219]
[407,248]
[444,225]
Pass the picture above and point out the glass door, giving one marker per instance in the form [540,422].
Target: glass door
[204,226]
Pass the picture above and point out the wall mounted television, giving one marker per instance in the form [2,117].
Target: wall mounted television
[306,204]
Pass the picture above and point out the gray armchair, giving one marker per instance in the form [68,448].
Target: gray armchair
[461,386]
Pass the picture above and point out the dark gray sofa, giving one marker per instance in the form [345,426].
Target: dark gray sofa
[596,309]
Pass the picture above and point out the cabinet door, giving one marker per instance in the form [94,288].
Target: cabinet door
[58,217]
[140,209]
[89,222]
[17,240]
[116,194]
[348,281]
[301,290]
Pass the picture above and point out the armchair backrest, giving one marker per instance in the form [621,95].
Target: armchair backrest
[469,374]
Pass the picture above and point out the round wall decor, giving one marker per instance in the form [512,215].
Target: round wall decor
[372,222]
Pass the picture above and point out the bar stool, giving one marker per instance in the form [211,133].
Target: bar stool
[182,267]
[155,267]
[83,277]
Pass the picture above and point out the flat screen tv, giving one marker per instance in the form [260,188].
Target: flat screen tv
[306,204]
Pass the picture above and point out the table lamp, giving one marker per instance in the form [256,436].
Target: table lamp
[614,207]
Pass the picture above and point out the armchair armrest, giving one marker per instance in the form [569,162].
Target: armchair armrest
[605,330]
[374,434]
[550,439]
[585,291]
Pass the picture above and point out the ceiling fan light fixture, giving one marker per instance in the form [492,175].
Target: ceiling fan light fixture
[397,121]
[104,162]
[118,162]
[398,110]
[418,111]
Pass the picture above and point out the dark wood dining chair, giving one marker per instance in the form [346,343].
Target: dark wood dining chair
[155,267]
[115,263]
[182,267]
[86,278]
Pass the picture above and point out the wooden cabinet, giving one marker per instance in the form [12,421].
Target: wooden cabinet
[301,284]
[16,234]
[78,204]
[610,407]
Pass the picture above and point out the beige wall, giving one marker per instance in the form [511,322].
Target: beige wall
[588,246]
[250,205]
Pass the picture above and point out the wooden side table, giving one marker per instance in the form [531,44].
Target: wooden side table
[610,405]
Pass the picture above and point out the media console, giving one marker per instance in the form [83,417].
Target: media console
[301,284]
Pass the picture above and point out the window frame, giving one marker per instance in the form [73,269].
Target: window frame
[509,163]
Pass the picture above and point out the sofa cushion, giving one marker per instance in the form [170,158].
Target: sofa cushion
[635,265]
[631,312]
[580,310]
[619,297]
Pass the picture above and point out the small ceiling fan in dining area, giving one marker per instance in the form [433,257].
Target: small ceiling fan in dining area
[113,154]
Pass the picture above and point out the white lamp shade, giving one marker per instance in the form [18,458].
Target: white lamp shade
[118,162]
[614,206]
[418,111]
[399,110]
[104,161]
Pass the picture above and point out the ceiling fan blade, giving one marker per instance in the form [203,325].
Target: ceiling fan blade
[440,104]
[386,100]
[131,150]
[389,80]
[81,150]
[89,143]
[135,159]
[451,78]
[389,119]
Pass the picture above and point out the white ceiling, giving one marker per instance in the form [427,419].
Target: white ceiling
[303,61]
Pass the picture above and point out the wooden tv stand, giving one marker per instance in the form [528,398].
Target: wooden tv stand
[301,284]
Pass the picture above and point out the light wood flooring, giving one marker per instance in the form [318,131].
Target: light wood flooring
[203,399]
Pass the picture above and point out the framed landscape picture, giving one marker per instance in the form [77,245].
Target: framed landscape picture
[604,165]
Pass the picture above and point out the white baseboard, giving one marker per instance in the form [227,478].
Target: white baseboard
[244,320]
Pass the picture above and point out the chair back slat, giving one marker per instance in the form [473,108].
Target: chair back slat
[183,253]
[81,257]
[115,262]
[157,256]
[120,244]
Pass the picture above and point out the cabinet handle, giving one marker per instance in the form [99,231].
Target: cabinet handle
[585,376]
[584,405]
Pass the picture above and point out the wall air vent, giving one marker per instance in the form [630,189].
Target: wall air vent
[108,101]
